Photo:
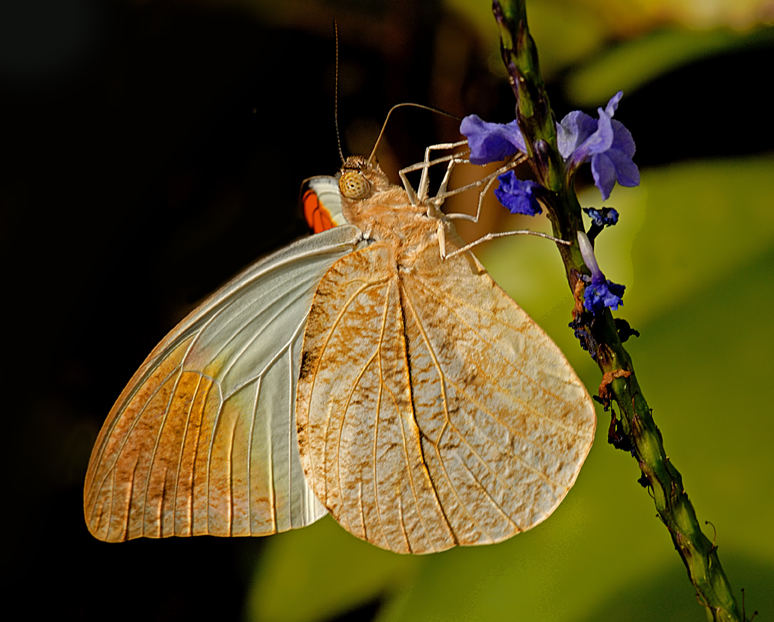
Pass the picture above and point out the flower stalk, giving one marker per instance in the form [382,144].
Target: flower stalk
[632,427]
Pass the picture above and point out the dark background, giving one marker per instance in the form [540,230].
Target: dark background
[148,151]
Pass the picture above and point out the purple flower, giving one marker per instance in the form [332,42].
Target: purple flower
[491,142]
[605,217]
[599,292]
[606,142]
[518,195]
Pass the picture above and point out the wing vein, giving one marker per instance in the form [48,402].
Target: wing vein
[180,455]
[359,377]
[322,349]
[406,302]
[442,301]
[253,417]
[297,293]
[493,501]
[542,475]
[290,429]
[231,482]
[128,434]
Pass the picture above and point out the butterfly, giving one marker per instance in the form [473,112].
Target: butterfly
[373,370]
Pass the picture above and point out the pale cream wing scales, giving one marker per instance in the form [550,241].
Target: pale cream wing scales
[516,424]
[360,446]
[476,433]
[202,440]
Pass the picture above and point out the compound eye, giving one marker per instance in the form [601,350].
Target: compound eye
[354,185]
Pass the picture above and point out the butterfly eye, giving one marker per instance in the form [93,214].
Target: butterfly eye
[354,185]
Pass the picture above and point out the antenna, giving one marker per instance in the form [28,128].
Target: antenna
[386,119]
[336,91]
[403,105]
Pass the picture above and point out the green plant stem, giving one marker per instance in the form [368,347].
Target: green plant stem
[633,427]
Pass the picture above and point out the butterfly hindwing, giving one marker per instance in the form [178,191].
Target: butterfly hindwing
[432,411]
[202,440]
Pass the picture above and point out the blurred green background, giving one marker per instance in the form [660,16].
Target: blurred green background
[150,149]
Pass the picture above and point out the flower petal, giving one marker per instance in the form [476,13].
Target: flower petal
[622,139]
[491,142]
[604,173]
[602,138]
[597,142]
[602,293]
[574,128]
[612,105]
[518,195]
[626,171]
[605,217]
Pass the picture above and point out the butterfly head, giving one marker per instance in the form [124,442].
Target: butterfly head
[360,177]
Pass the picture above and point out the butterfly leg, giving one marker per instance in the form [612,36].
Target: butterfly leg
[445,181]
[441,240]
[424,166]
[482,193]
[415,198]
[485,181]
[412,195]
[499,234]
[424,181]
[433,205]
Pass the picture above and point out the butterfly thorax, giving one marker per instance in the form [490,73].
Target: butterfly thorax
[383,210]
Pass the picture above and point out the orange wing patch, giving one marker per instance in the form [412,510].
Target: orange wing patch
[317,216]
[432,410]
[123,489]
[179,461]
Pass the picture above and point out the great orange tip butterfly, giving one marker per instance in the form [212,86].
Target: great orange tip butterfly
[373,370]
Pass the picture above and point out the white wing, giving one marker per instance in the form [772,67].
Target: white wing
[202,440]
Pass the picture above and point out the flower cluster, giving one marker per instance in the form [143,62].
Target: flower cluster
[599,292]
[600,218]
[605,217]
[604,142]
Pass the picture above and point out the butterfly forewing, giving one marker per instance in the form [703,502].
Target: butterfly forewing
[202,440]
[321,202]
[432,411]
